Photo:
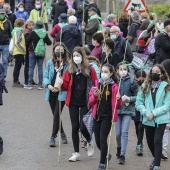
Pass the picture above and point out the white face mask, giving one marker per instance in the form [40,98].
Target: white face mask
[123,73]
[77,59]
[38,6]
[104,76]
[21,9]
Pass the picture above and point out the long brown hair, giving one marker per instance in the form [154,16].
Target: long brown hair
[84,63]
[148,82]
[65,55]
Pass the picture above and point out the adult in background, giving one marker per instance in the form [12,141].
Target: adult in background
[10,14]
[112,20]
[144,16]
[124,23]
[21,13]
[132,34]
[71,12]
[29,5]
[160,25]
[71,35]
[122,47]
[5,32]
[2,2]
[58,8]
[92,3]
[162,44]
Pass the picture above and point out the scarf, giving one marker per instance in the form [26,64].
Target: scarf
[110,81]
[2,24]
[27,31]
[155,86]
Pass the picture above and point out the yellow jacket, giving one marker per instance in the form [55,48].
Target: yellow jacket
[19,43]
[35,16]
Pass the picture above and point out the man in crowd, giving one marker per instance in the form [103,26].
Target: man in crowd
[5,32]
[122,46]
[162,44]
[29,5]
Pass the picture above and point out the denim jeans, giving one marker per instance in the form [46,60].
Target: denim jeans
[5,52]
[32,62]
[122,128]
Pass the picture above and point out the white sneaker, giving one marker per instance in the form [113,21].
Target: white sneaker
[75,157]
[90,148]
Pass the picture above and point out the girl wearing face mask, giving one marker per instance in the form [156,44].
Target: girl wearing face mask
[102,99]
[21,13]
[128,91]
[153,102]
[77,81]
[55,66]
[28,28]
[140,77]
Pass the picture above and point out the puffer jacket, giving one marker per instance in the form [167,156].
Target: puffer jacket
[129,88]
[144,104]
[71,37]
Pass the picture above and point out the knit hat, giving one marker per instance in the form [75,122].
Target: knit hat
[72,20]
[166,23]
[93,9]
[20,4]
[63,17]
[39,25]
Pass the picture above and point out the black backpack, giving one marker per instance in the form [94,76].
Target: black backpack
[79,7]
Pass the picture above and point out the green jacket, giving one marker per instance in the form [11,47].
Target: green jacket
[41,32]
[14,30]
[144,104]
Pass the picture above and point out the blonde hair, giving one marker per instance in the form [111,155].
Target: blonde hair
[84,63]
[28,22]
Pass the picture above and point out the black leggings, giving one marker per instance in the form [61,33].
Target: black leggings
[54,104]
[154,136]
[139,131]
[101,132]
[76,116]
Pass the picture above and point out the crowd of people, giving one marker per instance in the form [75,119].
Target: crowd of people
[98,69]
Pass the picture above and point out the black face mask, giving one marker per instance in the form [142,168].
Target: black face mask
[155,77]
[57,54]
[140,82]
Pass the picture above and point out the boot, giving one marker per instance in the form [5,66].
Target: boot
[139,150]
[118,152]
[64,138]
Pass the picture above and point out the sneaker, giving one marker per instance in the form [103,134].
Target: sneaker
[64,138]
[29,87]
[34,84]
[101,167]
[156,168]
[75,157]
[152,164]
[90,148]
[1,146]
[41,87]
[118,152]
[17,84]
[139,150]
[122,160]
[52,142]
[164,157]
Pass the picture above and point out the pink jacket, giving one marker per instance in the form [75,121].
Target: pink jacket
[93,101]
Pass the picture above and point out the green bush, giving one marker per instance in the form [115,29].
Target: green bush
[159,9]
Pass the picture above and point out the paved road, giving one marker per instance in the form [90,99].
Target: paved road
[25,125]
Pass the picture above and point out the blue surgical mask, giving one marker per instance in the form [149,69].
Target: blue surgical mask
[113,37]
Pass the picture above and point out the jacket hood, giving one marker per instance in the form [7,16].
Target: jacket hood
[15,29]
[137,22]
[94,59]
[62,2]
[96,16]
[74,31]
[41,33]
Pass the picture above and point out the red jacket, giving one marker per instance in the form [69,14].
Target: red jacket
[68,81]
[55,30]
[116,104]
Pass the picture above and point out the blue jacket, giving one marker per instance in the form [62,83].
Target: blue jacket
[96,68]
[129,88]
[144,104]
[48,76]
[24,15]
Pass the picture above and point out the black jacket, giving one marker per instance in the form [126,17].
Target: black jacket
[123,25]
[86,16]
[12,17]
[29,5]
[162,47]
[71,37]
[113,59]
[11,2]
[58,9]
[33,39]
[5,34]
[120,45]
[1,82]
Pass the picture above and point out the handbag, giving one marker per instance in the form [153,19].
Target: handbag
[88,121]
[11,46]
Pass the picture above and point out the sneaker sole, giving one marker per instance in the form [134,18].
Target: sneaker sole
[140,154]
[28,88]
[74,161]
[52,146]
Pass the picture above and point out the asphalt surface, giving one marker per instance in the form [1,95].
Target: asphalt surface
[26,125]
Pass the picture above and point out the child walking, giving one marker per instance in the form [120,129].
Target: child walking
[153,102]
[128,91]
[140,77]
[77,81]
[104,100]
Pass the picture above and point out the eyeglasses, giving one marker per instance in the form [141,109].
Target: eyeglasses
[113,32]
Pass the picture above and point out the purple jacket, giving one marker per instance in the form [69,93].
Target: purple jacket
[97,52]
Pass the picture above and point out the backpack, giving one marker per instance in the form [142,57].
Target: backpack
[79,7]
[139,49]
[40,49]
